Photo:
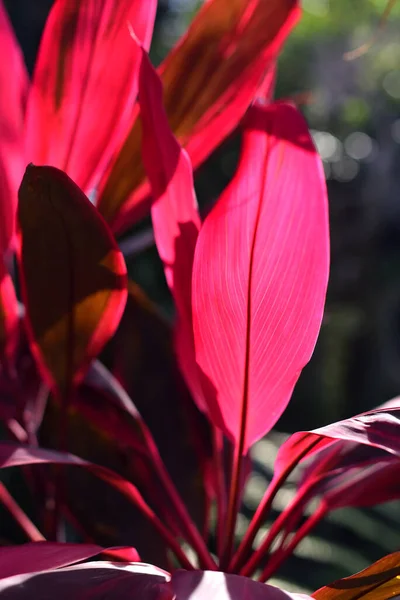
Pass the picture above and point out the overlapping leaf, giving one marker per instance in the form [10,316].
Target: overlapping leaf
[210,78]
[73,275]
[95,580]
[85,84]
[260,275]
[363,458]
[9,320]
[41,556]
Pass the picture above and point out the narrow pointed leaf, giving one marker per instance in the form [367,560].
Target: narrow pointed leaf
[14,87]
[41,556]
[380,581]
[210,78]
[85,84]
[174,214]
[202,585]
[260,275]
[90,581]
[73,275]
[104,433]
[378,429]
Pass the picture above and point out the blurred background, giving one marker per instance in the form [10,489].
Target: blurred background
[354,115]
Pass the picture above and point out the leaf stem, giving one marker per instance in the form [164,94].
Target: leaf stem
[297,503]
[283,553]
[263,510]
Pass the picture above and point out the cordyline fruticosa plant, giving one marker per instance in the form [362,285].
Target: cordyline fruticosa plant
[84,351]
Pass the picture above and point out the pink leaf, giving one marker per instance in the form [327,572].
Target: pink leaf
[174,213]
[14,87]
[203,585]
[85,84]
[90,581]
[260,275]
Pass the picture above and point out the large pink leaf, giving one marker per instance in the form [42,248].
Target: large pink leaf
[13,91]
[85,84]
[260,275]
[203,585]
[41,556]
[90,581]
[174,213]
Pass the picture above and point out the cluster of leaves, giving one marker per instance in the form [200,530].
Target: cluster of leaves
[249,287]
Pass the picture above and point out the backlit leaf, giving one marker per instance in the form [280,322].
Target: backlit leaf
[260,275]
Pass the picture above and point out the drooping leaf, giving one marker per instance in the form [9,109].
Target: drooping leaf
[260,275]
[380,581]
[377,429]
[41,556]
[174,214]
[13,455]
[14,87]
[210,78]
[85,84]
[94,580]
[202,585]
[73,275]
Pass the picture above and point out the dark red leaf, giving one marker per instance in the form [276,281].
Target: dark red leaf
[41,556]
[72,274]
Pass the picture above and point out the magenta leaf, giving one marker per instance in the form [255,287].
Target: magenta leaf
[85,84]
[260,275]
[95,580]
[203,585]
[41,556]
